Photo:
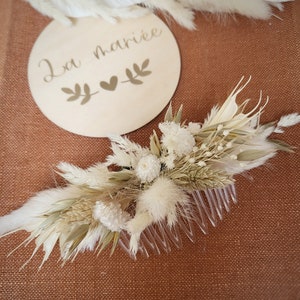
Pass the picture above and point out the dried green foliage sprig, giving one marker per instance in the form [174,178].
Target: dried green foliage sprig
[186,174]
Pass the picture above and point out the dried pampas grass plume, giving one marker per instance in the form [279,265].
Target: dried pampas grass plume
[181,10]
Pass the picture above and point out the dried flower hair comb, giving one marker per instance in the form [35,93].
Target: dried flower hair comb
[152,195]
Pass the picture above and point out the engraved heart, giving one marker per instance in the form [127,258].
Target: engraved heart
[111,85]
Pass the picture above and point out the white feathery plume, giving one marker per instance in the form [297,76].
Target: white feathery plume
[28,216]
[120,157]
[32,218]
[211,115]
[258,9]
[181,10]
[287,121]
[155,204]
[96,176]
[125,144]
[161,200]
[61,10]
[125,152]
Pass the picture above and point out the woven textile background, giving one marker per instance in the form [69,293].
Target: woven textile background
[253,254]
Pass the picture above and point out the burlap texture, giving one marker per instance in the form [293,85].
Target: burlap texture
[253,254]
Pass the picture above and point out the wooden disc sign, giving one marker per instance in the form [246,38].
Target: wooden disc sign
[95,78]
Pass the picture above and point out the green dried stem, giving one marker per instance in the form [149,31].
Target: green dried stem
[106,240]
[169,117]
[155,146]
[281,145]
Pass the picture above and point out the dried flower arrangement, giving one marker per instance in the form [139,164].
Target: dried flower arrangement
[153,194]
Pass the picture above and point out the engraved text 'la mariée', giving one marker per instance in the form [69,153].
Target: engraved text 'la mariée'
[100,51]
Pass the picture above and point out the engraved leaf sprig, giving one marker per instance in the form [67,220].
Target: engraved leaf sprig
[77,93]
[139,72]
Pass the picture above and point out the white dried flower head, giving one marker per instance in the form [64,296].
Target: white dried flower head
[229,145]
[110,215]
[148,168]
[208,154]
[192,160]
[168,160]
[194,128]
[225,132]
[176,139]
[220,127]
[201,164]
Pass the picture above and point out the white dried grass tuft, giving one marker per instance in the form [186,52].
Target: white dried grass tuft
[181,10]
